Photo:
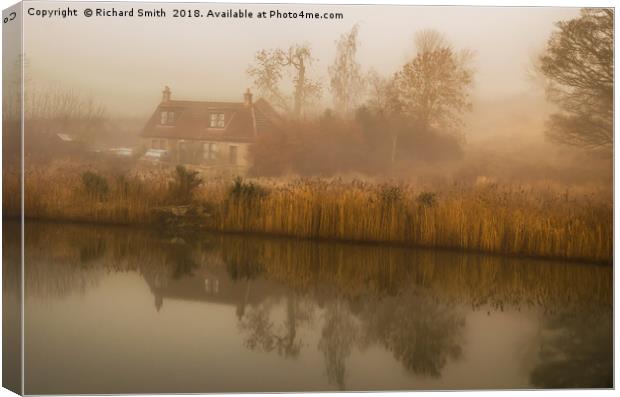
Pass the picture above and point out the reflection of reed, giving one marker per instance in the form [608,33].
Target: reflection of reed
[56,265]
[410,302]
[66,259]
[355,270]
[319,267]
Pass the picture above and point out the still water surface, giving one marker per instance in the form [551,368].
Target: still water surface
[119,310]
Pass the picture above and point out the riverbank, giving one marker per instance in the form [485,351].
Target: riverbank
[545,222]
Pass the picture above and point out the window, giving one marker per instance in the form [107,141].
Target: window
[209,151]
[232,154]
[155,144]
[163,144]
[217,120]
[167,117]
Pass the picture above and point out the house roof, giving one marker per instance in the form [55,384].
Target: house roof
[192,118]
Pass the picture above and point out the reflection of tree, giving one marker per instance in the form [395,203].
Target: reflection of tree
[421,333]
[338,336]
[576,351]
[264,334]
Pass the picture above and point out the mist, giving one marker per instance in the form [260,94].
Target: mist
[122,65]
[125,63]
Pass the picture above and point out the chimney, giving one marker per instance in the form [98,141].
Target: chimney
[165,97]
[247,98]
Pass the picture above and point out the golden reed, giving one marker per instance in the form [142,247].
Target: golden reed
[525,221]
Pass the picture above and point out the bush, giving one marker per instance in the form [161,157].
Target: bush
[390,195]
[246,190]
[427,199]
[184,185]
[95,185]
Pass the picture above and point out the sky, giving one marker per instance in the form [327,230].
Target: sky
[124,63]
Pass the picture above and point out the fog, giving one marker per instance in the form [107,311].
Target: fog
[125,62]
[122,64]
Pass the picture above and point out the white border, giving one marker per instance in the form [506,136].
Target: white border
[521,3]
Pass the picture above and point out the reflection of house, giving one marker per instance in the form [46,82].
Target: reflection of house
[213,285]
[214,134]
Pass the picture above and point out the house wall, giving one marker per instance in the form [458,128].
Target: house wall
[205,153]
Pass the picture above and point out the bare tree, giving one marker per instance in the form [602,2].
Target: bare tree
[267,73]
[269,70]
[306,90]
[346,80]
[433,88]
[57,110]
[49,109]
[578,65]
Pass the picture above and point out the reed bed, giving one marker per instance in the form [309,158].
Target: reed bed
[548,222]
[498,219]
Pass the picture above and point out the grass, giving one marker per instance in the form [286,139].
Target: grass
[547,222]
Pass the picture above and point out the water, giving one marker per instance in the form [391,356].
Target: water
[120,310]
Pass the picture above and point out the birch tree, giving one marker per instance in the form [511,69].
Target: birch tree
[346,80]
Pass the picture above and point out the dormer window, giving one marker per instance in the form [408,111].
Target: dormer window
[217,120]
[167,117]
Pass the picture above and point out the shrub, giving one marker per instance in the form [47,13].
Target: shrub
[246,190]
[95,185]
[390,195]
[184,185]
[427,199]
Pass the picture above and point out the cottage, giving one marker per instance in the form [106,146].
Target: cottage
[212,134]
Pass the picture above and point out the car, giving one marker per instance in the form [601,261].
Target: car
[156,155]
[121,151]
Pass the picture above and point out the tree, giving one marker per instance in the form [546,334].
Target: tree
[433,88]
[346,80]
[385,108]
[578,65]
[383,94]
[267,73]
[49,111]
[300,58]
[419,109]
[269,69]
